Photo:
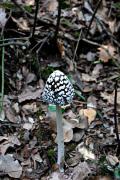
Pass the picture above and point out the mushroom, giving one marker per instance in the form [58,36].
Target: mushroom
[59,91]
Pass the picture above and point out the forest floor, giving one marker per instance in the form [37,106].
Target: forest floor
[85,46]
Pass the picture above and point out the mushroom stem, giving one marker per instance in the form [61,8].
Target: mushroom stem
[60,138]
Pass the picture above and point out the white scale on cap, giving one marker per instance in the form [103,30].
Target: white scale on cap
[58,89]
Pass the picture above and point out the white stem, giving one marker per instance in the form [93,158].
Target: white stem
[60,138]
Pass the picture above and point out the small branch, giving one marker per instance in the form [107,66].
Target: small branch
[76,48]
[35,19]
[13,39]
[14,43]
[115,113]
[93,16]
[58,19]
[115,119]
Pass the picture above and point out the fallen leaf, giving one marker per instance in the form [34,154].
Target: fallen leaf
[106,53]
[96,70]
[37,157]
[3,18]
[87,154]
[51,6]
[9,141]
[68,133]
[103,178]
[2,115]
[29,95]
[77,136]
[81,171]
[112,160]
[88,78]
[92,102]
[27,126]
[61,48]
[56,176]
[16,107]
[30,78]
[110,97]
[31,107]
[10,166]
[90,113]
[10,115]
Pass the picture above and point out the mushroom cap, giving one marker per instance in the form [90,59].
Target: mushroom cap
[58,89]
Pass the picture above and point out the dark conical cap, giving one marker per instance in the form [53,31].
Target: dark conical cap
[58,89]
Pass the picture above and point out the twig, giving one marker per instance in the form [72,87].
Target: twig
[43,42]
[32,17]
[58,19]
[76,48]
[14,43]
[108,32]
[35,19]
[115,119]
[93,16]
[21,8]
[13,39]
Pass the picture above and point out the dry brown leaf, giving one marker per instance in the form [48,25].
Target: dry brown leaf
[88,78]
[57,176]
[86,153]
[27,126]
[51,6]
[30,107]
[21,23]
[96,70]
[10,166]
[113,160]
[8,142]
[2,115]
[106,52]
[68,133]
[61,48]
[91,102]
[77,136]
[30,78]
[110,97]
[10,115]
[3,18]
[103,178]
[90,113]
[29,95]
[81,171]
[27,2]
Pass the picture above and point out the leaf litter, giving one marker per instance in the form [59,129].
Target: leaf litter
[28,129]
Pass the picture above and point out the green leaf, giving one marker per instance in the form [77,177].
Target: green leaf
[7,5]
[78,93]
[117,172]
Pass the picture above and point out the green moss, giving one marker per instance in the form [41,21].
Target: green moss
[39,112]
[66,23]
[21,135]
[71,146]
[39,134]
[51,156]
[104,168]
[46,72]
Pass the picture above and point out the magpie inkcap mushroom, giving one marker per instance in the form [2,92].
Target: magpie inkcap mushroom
[58,89]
